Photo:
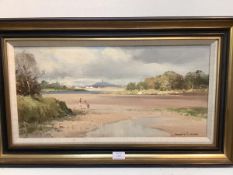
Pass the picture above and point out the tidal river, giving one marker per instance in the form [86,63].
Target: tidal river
[130,128]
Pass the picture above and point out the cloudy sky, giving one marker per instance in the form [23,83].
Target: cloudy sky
[119,65]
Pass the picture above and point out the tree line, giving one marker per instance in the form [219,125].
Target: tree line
[56,85]
[171,80]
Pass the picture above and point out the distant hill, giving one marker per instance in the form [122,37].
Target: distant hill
[104,84]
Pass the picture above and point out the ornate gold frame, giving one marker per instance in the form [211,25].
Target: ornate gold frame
[221,156]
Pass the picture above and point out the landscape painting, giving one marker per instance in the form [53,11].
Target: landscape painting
[141,91]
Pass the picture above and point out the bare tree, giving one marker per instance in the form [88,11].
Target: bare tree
[27,74]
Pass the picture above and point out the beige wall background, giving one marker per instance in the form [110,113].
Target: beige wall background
[115,8]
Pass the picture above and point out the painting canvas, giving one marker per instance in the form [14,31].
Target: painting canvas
[113,91]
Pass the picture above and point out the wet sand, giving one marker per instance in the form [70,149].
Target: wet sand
[129,115]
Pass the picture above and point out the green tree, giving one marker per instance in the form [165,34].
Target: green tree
[131,86]
[196,80]
[141,85]
[190,80]
[202,79]
[44,84]
[150,83]
[170,80]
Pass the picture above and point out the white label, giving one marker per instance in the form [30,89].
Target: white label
[118,155]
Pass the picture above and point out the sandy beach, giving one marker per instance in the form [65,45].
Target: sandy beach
[111,115]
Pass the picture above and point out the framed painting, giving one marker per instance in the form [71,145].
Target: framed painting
[116,91]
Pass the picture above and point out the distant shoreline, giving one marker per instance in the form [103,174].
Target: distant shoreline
[72,92]
[123,91]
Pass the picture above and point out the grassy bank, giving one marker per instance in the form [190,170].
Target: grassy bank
[33,112]
[194,112]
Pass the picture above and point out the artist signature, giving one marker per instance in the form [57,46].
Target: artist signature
[186,134]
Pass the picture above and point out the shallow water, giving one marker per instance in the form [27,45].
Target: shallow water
[129,128]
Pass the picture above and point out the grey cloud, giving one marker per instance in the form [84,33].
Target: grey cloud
[172,55]
[56,74]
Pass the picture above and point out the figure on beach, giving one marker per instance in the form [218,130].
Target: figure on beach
[83,105]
